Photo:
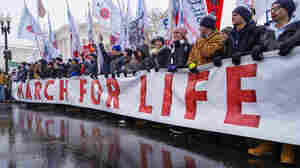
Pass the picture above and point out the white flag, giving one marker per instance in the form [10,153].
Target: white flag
[28,28]
[75,37]
[193,12]
[90,27]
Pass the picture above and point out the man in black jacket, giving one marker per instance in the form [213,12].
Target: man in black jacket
[287,31]
[160,52]
[245,36]
[180,50]
[287,34]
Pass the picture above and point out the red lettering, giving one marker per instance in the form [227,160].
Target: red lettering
[82,89]
[48,83]
[192,96]
[28,91]
[82,131]
[22,123]
[95,100]
[143,107]
[48,122]
[37,90]
[114,147]
[38,121]
[145,148]
[189,162]
[63,90]
[62,129]
[113,95]
[168,94]
[29,119]
[235,96]
[20,93]
[167,162]
[97,134]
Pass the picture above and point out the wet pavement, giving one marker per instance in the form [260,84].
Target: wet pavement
[56,137]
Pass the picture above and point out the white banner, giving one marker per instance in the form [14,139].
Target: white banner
[255,99]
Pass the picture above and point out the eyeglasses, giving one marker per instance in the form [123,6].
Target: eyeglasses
[275,9]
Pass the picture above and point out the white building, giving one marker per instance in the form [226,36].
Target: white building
[64,42]
[20,53]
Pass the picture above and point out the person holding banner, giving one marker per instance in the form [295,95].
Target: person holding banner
[207,46]
[180,50]
[245,36]
[287,34]
[286,29]
[160,52]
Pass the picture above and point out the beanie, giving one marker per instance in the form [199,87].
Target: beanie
[208,22]
[117,48]
[243,12]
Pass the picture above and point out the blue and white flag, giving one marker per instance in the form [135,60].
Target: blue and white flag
[28,28]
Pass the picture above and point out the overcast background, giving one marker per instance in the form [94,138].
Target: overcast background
[57,9]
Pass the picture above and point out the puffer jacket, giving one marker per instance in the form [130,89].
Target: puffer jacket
[208,46]
[180,53]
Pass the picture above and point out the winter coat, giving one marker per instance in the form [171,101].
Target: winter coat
[92,68]
[246,39]
[75,70]
[106,59]
[180,53]
[2,79]
[208,46]
[291,34]
[162,57]
[117,61]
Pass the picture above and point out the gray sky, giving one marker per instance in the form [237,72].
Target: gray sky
[57,9]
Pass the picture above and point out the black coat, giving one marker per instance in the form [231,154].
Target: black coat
[163,57]
[247,39]
[291,34]
[180,53]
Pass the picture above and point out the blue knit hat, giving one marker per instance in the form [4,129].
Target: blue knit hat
[209,22]
[117,48]
[244,12]
[289,5]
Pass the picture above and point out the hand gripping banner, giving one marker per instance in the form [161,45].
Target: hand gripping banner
[256,99]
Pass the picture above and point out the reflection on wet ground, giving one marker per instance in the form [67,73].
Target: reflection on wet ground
[49,137]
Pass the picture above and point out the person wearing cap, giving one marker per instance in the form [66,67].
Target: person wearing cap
[160,53]
[180,49]
[245,36]
[286,29]
[208,45]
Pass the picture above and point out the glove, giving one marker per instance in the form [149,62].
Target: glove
[217,61]
[236,58]
[193,68]
[285,48]
[172,68]
[257,54]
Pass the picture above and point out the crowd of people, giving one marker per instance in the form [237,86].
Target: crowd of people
[245,37]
